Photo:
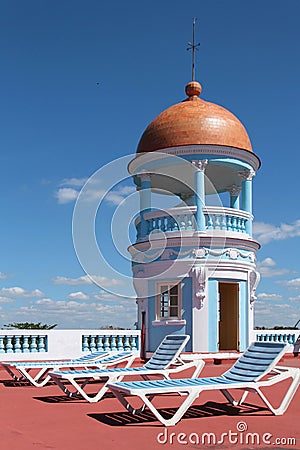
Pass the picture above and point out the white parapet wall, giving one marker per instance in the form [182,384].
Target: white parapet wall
[291,337]
[25,345]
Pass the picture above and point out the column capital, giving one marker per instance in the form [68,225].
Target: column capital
[200,164]
[144,176]
[246,175]
[234,190]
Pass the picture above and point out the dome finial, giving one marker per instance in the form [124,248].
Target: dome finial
[193,89]
[193,47]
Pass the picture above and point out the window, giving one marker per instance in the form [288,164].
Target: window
[168,301]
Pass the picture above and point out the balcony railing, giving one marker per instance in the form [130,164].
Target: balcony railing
[30,345]
[183,219]
[64,344]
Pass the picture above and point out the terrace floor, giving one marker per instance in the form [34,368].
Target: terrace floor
[43,418]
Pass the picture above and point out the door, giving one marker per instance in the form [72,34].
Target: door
[228,316]
[143,336]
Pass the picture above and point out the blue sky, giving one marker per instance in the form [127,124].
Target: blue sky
[80,81]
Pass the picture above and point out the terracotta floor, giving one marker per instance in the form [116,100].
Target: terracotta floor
[43,418]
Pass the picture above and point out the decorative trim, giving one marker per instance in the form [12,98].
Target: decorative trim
[254,278]
[197,241]
[200,164]
[232,253]
[144,176]
[199,276]
[156,323]
[218,150]
[246,175]
[234,190]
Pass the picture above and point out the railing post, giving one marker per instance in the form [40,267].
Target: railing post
[145,201]
[199,192]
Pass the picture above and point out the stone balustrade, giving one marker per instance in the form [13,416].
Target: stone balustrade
[64,344]
[183,219]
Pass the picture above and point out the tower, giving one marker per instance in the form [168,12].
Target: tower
[194,264]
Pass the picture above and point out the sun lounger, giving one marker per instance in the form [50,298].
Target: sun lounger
[254,370]
[23,370]
[165,360]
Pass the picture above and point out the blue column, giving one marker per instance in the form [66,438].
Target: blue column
[247,176]
[234,196]
[199,192]
[145,201]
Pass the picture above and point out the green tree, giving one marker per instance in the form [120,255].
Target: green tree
[30,326]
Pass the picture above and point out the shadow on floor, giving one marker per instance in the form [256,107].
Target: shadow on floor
[209,409]
[65,398]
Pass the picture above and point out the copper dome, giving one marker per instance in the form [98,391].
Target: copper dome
[194,121]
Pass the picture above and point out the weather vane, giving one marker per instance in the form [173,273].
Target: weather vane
[193,47]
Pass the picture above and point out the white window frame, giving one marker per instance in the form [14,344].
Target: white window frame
[168,318]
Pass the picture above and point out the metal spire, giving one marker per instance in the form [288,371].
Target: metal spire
[193,47]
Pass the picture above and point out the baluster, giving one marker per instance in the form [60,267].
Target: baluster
[189,221]
[233,223]
[17,346]
[176,223]
[25,344]
[126,343]
[2,350]
[209,222]
[33,345]
[229,223]
[9,347]
[162,222]
[113,343]
[239,224]
[106,344]
[92,343]
[182,222]
[223,222]
[217,222]
[85,344]
[133,343]
[120,342]
[170,221]
[100,343]
[41,344]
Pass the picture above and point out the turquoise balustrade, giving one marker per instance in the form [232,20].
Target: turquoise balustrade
[286,338]
[183,219]
[111,342]
[22,344]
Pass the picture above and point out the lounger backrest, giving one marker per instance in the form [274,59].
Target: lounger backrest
[167,351]
[258,359]
[90,356]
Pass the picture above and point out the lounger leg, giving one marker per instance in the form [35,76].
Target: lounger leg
[12,374]
[287,398]
[148,402]
[38,380]
[229,397]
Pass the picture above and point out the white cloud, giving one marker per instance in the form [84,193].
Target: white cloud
[78,296]
[265,296]
[118,195]
[73,182]
[100,280]
[69,189]
[292,284]
[267,268]
[294,299]
[6,300]
[66,195]
[18,292]
[265,232]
